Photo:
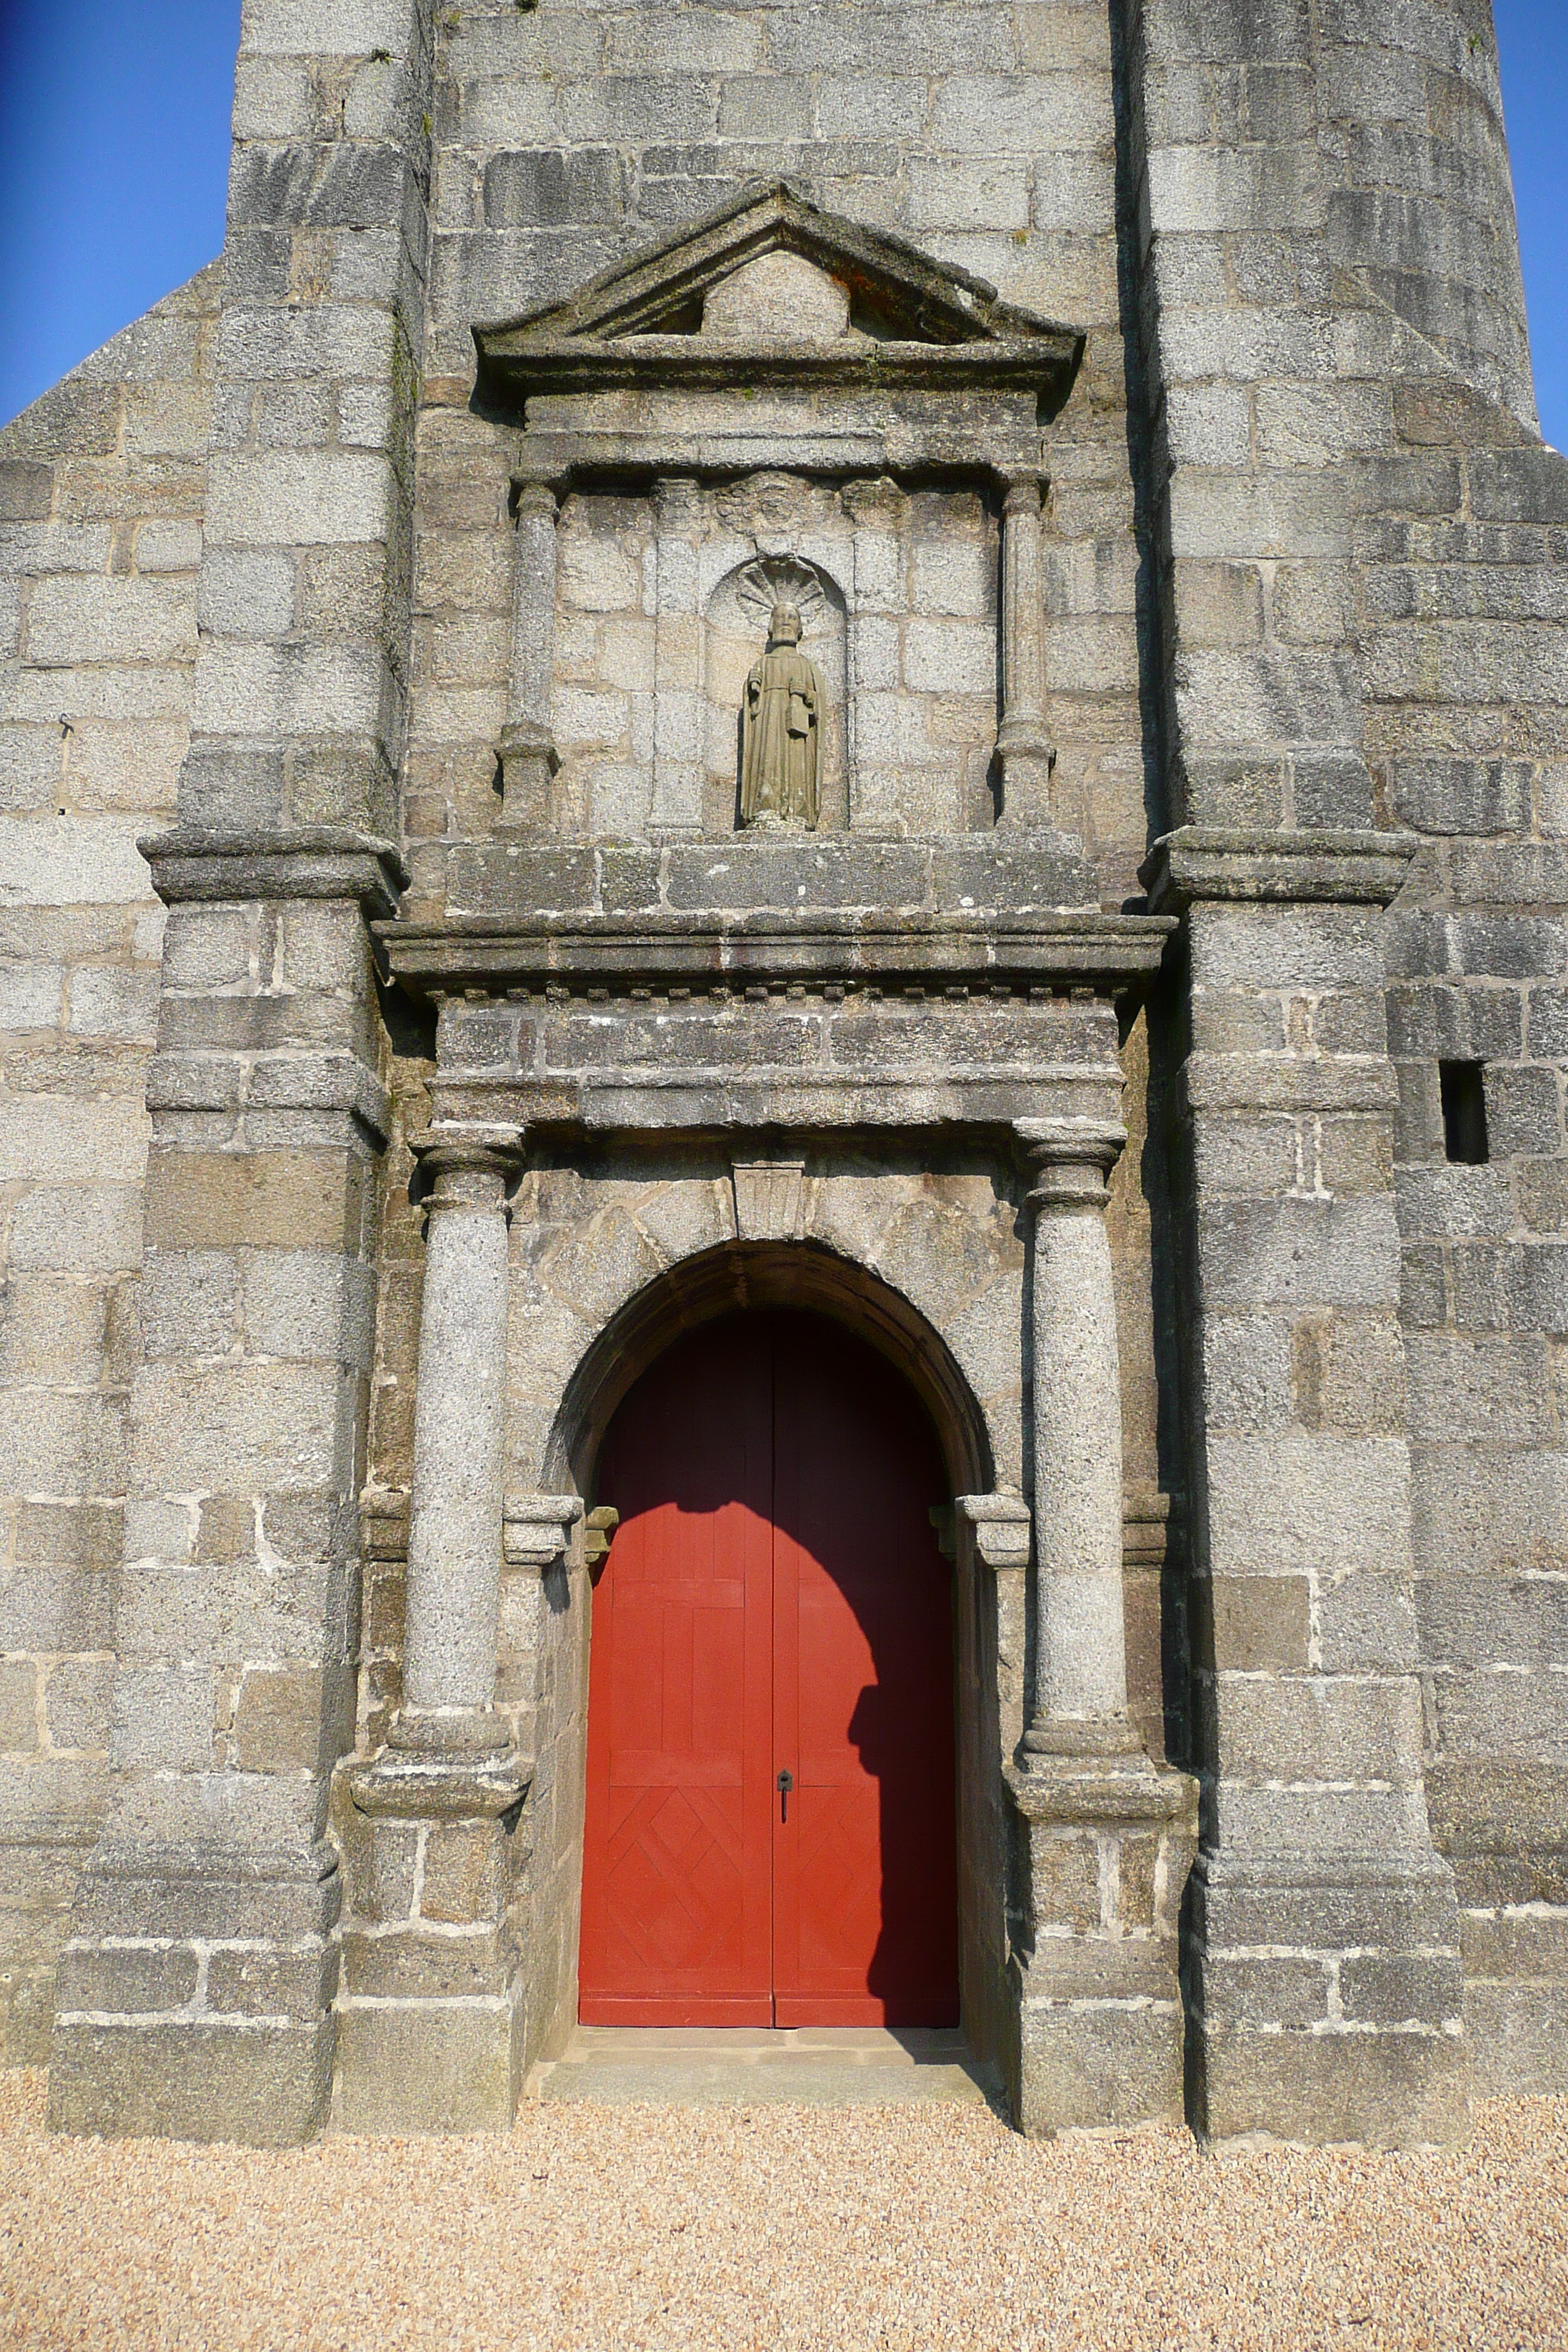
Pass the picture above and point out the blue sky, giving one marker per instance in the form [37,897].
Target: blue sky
[114,146]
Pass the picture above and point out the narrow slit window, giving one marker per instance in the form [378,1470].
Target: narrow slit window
[1463,1112]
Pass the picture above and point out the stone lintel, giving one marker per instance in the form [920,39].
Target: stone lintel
[921,438]
[197,862]
[1275,866]
[437,1788]
[556,364]
[726,1108]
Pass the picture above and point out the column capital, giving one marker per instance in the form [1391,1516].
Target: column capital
[673,491]
[1023,493]
[530,497]
[469,1168]
[1068,1159]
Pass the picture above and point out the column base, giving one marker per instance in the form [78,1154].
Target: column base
[1102,1850]
[193,1999]
[431,2018]
[1026,764]
[1327,2002]
[528,761]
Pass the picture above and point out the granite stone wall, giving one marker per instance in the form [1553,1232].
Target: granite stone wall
[103,484]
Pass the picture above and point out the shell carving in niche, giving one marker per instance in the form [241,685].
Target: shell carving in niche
[781,580]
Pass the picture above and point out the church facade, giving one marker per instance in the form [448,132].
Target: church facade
[785,891]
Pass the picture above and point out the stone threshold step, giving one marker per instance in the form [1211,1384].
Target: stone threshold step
[736,2066]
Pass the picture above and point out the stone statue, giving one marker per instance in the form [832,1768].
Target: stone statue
[781,730]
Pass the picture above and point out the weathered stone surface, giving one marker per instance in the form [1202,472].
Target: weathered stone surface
[281,599]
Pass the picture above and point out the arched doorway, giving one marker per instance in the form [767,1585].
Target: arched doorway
[770,1833]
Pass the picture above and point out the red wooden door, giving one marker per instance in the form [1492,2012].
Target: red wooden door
[773,1601]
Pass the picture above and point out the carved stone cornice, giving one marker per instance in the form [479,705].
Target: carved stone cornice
[193,862]
[1109,954]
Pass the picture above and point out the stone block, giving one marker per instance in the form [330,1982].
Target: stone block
[544,187]
[1254,1623]
[295,1718]
[125,1979]
[1280,1504]
[382,1860]
[1390,2090]
[413,2066]
[163,1718]
[1321,1728]
[1083,2067]
[1401,1988]
[72,619]
[261,2083]
[18,1706]
[76,1703]
[465,1871]
[426,1966]
[1064,1879]
[1298,1252]
[1272,1992]
[188,1303]
[298,1984]
[222,1201]
[1517,2035]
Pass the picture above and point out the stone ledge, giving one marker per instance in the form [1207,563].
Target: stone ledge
[1002,1525]
[1116,1790]
[1275,866]
[273,1082]
[422,1788]
[195,862]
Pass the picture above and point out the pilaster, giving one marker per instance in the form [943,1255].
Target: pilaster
[196,1995]
[1023,750]
[1325,1976]
[527,747]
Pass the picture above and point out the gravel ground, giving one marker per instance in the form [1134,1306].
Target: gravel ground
[784,2229]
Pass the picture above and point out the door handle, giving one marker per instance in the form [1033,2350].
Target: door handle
[785,1783]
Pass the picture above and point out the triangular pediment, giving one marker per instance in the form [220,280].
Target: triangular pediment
[901,315]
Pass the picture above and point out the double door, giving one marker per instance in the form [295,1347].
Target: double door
[770,1825]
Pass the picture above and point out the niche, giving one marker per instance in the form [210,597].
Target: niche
[736,632]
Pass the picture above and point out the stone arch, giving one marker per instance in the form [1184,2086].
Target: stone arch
[712,1276]
[737,1275]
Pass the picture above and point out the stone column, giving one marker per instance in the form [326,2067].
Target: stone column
[1104,1837]
[1081,1673]
[679,729]
[1022,748]
[456,1507]
[431,2019]
[527,747]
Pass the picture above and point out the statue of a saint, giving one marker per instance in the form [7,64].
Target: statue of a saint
[781,730]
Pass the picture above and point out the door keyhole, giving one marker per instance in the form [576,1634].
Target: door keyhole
[787,1783]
